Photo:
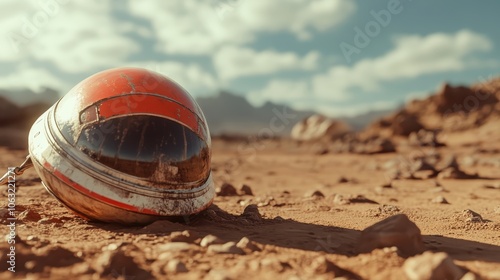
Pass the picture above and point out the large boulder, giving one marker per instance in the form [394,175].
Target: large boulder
[318,127]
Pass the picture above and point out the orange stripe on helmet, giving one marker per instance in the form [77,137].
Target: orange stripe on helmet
[97,196]
[140,103]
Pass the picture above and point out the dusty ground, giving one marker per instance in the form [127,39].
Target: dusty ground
[298,237]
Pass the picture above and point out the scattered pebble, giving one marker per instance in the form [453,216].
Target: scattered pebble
[29,215]
[314,194]
[117,263]
[247,245]
[493,186]
[210,240]
[4,213]
[251,212]
[341,200]
[322,265]
[472,217]
[246,190]
[175,246]
[176,266]
[432,266]
[396,231]
[226,190]
[440,200]
[32,238]
[226,248]
[49,221]
[455,173]
[342,180]
[272,264]
[183,236]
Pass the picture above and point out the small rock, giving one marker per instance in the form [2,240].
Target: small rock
[247,245]
[387,185]
[455,173]
[210,240]
[251,212]
[432,266]
[183,236]
[176,266]
[175,247]
[29,215]
[322,265]
[226,248]
[226,190]
[389,209]
[32,238]
[272,264]
[471,216]
[440,200]
[342,180]
[340,200]
[396,231]
[470,276]
[4,213]
[493,186]
[117,263]
[246,190]
[50,221]
[314,194]
[218,274]
[111,247]
[450,162]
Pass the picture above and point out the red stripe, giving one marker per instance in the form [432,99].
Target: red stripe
[94,195]
[150,104]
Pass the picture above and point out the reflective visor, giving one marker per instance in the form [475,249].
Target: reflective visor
[154,148]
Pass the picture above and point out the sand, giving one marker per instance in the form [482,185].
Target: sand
[293,232]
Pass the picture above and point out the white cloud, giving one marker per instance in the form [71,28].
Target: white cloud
[233,62]
[192,77]
[280,91]
[412,56]
[28,77]
[76,36]
[202,26]
[352,110]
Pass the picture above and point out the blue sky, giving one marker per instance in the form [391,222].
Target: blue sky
[293,52]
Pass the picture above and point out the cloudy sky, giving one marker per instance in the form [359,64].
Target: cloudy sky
[335,56]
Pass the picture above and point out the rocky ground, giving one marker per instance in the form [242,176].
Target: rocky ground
[285,211]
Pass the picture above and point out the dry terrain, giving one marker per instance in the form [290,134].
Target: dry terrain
[302,214]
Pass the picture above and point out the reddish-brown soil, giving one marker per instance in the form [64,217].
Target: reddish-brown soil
[297,235]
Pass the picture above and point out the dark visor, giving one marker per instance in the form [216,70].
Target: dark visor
[154,148]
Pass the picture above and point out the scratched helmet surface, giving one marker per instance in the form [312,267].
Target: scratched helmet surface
[125,145]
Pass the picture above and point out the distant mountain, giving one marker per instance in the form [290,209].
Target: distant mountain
[228,113]
[23,97]
[359,122]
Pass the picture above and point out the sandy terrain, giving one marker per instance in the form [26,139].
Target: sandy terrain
[298,235]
